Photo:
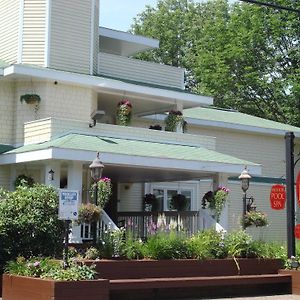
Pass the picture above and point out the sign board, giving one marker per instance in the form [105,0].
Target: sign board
[278,196]
[68,204]
[297,231]
[298,188]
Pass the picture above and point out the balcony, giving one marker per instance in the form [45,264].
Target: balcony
[140,71]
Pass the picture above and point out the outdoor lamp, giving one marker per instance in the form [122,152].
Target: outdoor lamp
[96,168]
[51,175]
[245,180]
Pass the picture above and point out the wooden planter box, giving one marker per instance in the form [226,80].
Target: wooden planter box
[28,288]
[121,269]
[295,280]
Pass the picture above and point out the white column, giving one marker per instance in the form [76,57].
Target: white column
[221,179]
[54,166]
[75,183]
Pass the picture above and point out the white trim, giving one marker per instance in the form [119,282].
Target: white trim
[108,85]
[129,161]
[226,125]
[92,38]
[128,37]
[20,37]
[48,33]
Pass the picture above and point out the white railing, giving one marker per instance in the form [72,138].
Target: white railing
[206,221]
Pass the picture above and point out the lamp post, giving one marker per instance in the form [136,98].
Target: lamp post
[245,181]
[96,168]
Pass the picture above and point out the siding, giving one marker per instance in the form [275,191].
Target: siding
[4,177]
[141,71]
[34,32]
[96,37]
[9,33]
[70,37]
[6,112]
[130,196]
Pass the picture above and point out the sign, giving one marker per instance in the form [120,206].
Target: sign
[297,231]
[68,205]
[298,188]
[278,197]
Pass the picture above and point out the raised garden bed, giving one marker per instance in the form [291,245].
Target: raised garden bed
[29,288]
[295,280]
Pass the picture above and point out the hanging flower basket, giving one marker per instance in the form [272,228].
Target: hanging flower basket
[173,120]
[104,191]
[151,203]
[30,98]
[24,180]
[178,202]
[256,218]
[124,109]
[88,213]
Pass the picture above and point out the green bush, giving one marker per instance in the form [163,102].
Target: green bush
[133,248]
[29,224]
[206,244]
[166,246]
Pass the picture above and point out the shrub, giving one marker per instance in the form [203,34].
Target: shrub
[133,248]
[206,244]
[49,268]
[29,224]
[166,246]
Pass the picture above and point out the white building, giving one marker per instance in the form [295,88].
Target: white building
[55,49]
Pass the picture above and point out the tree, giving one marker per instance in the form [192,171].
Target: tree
[246,56]
[29,224]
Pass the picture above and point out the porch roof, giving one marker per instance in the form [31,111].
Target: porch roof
[194,162]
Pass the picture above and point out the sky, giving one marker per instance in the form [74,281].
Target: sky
[119,14]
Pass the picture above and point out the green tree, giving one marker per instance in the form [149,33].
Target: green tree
[29,224]
[246,56]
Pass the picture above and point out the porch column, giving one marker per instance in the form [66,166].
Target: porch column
[179,106]
[75,183]
[55,167]
[221,179]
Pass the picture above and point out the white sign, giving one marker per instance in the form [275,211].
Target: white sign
[68,205]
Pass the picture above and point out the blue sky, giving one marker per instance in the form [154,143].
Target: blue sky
[119,14]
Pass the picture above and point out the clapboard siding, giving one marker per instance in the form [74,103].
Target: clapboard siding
[9,33]
[141,71]
[70,41]
[34,32]
[4,177]
[130,196]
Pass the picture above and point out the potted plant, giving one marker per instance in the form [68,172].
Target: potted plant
[216,200]
[151,203]
[23,179]
[173,120]
[30,98]
[88,213]
[124,112]
[253,217]
[178,202]
[104,190]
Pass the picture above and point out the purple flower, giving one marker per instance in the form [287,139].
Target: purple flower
[36,264]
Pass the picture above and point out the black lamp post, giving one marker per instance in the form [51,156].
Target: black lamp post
[96,168]
[245,181]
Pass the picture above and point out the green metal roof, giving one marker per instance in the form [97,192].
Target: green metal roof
[236,118]
[134,148]
[5,148]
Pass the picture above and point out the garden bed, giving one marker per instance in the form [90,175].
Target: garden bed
[29,288]
[295,280]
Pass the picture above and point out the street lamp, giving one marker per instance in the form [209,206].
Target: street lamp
[96,168]
[245,181]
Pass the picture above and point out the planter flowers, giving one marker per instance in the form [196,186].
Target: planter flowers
[30,98]
[173,120]
[216,201]
[124,109]
[255,218]
[104,190]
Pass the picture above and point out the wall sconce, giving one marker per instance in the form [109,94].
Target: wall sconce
[51,175]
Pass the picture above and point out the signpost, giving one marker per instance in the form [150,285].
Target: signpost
[68,211]
[278,196]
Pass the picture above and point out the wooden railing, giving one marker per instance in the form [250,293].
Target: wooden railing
[142,224]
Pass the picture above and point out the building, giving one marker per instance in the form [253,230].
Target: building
[80,72]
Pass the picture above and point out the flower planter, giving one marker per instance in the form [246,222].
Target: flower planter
[28,288]
[295,280]
[121,269]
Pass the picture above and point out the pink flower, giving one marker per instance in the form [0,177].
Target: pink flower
[125,102]
[36,264]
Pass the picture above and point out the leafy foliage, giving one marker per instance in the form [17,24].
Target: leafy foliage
[245,56]
[88,213]
[29,224]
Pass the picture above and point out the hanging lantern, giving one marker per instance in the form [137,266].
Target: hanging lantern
[278,197]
